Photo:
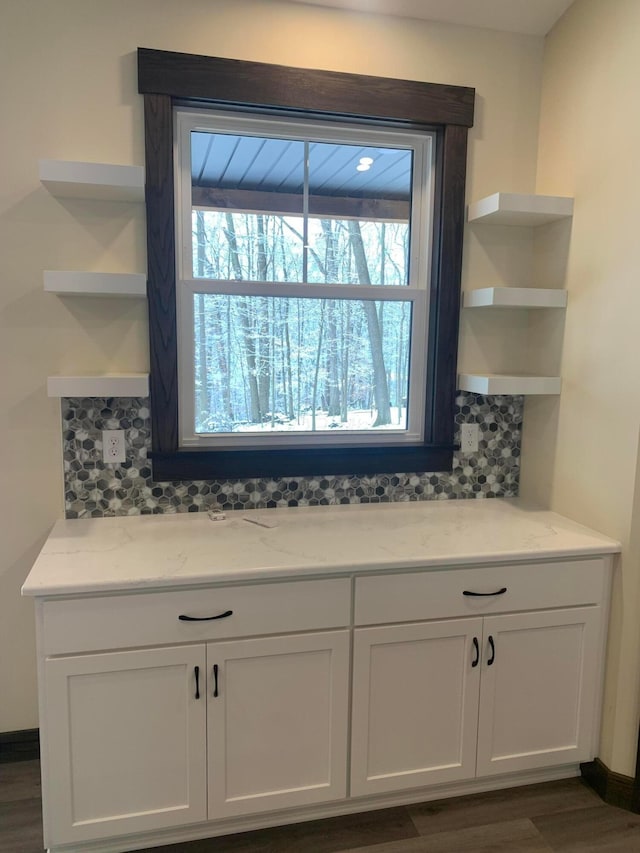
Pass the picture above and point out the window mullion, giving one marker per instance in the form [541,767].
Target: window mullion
[382,293]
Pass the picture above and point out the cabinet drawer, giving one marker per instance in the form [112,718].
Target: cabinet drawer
[145,619]
[415,596]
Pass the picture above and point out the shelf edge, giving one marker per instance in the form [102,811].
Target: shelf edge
[514,297]
[100,181]
[103,385]
[527,209]
[495,383]
[99,284]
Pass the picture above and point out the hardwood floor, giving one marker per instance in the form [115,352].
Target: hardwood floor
[557,817]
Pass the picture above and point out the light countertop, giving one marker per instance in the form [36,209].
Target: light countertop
[164,551]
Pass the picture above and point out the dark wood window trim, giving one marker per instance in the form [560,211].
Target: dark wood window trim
[166,79]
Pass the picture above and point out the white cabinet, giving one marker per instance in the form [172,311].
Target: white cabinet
[415,705]
[139,739]
[455,676]
[538,689]
[132,734]
[277,722]
[125,739]
[440,701]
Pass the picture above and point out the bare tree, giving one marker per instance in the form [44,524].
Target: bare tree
[380,385]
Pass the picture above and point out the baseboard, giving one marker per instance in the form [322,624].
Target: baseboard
[614,788]
[19,746]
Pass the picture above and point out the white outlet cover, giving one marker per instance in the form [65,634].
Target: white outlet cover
[469,437]
[114,448]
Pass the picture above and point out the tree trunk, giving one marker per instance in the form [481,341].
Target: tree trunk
[204,400]
[286,368]
[265,327]
[331,276]
[255,415]
[344,380]
[314,394]
[380,385]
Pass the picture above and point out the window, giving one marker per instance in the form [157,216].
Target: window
[304,280]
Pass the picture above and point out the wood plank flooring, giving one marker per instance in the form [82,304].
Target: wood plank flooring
[556,817]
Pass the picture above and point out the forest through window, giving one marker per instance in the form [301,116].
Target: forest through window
[303,286]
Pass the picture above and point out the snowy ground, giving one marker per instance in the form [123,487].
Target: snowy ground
[360,420]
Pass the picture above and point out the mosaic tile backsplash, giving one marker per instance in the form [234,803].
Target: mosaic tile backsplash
[94,489]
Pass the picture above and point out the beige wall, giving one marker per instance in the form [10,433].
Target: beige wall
[580,454]
[68,90]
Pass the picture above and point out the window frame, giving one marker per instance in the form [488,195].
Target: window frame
[168,80]
[414,292]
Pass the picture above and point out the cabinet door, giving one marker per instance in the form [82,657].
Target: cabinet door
[277,722]
[415,705]
[125,735]
[538,693]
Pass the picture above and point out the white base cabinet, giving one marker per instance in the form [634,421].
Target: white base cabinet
[443,701]
[125,739]
[277,722]
[428,680]
[415,705]
[538,690]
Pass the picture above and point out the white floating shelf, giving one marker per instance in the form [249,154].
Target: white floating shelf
[111,385]
[514,297]
[496,383]
[104,181]
[520,209]
[72,283]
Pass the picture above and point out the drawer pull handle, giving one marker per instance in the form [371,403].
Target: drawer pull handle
[492,646]
[224,615]
[476,649]
[215,681]
[196,672]
[482,594]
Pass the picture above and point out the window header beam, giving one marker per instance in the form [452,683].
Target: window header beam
[289,204]
[227,81]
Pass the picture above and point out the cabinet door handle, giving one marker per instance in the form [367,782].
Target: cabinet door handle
[476,649]
[196,672]
[482,594]
[492,646]
[224,615]
[215,680]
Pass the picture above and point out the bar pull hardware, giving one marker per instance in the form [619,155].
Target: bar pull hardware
[224,615]
[476,649]
[483,594]
[196,672]
[215,681]
[492,646]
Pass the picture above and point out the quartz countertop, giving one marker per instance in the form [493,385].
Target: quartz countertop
[165,551]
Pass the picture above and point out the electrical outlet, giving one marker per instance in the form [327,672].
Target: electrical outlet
[469,437]
[113,446]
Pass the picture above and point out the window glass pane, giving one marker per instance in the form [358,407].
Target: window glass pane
[257,217]
[360,204]
[247,247]
[247,199]
[275,364]
[357,252]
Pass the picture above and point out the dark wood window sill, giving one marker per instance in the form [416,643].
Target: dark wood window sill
[231,464]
